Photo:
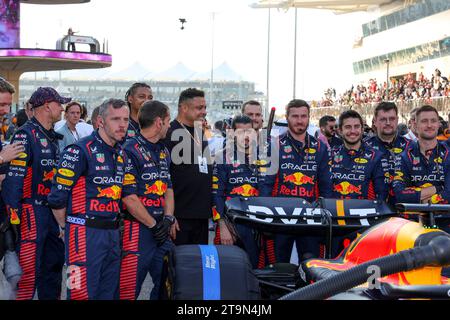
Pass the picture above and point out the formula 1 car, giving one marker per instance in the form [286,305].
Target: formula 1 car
[391,258]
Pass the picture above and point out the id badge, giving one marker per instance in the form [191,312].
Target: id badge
[202,165]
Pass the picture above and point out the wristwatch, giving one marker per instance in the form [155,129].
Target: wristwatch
[171,218]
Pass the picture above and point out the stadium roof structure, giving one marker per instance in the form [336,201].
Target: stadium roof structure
[337,6]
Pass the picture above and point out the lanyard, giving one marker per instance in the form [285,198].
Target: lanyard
[147,153]
[192,137]
[53,142]
[297,150]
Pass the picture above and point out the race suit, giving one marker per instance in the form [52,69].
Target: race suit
[88,184]
[357,174]
[25,189]
[413,172]
[233,178]
[304,172]
[147,176]
[391,152]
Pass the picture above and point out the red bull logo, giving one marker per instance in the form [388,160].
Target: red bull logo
[158,188]
[245,190]
[437,198]
[215,214]
[298,179]
[14,217]
[113,192]
[346,188]
[48,176]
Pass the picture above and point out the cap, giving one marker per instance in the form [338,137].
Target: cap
[46,94]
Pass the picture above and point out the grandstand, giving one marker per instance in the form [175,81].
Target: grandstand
[396,57]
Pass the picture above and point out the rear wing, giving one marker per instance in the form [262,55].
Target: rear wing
[299,217]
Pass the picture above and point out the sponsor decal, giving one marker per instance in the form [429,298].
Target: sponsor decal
[162,155]
[68,157]
[297,191]
[44,142]
[287,149]
[338,158]
[438,160]
[113,192]
[119,159]
[437,198]
[415,160]
[96,205]
[296,167]
[22,155]
[66,172]
[215,179]
[48,162]
[346,188]
[14,217]
[64,181]
[18,163]
[242,180]
[131,133]
[42,190]
[129,179]
[100,157]
[108,180]
[158,188]
[397,150]
[245,190]
[76,220]
[66,164]
[73,150]
[157,203]
[261,162]
[431,177]
[48,176]
[360,160]
[298,179]
[101,168]
[310,150]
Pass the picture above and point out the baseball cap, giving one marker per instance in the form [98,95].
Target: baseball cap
[46,94]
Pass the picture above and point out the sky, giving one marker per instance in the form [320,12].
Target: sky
[148,32]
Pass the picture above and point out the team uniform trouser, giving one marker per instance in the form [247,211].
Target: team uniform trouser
[141,256]
[305,245]
[41,254]
[93,262]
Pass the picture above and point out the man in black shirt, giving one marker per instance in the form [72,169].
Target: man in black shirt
[190,169]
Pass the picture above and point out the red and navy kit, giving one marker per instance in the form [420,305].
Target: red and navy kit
[413,172]
[25,189]
[391,152]
[304,172]
[234,177]
[148,177]
[88,183]
[358,174]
